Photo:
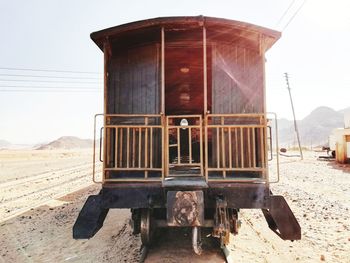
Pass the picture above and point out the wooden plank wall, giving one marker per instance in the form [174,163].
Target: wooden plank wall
[237,80]
[134,81]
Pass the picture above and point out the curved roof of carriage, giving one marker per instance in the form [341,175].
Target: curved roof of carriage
[245,31]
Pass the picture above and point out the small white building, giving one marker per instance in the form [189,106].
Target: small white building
[339,141]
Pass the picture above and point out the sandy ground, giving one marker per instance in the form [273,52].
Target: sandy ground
[30,178]
[317,191]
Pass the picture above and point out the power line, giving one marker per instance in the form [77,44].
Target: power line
[50,70]
[57,91]
[285,12]
[296,12]
[51,81]
[48,87]
[41,76]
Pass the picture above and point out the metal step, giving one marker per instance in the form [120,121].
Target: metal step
[90,218]
[185,182]
[281,219]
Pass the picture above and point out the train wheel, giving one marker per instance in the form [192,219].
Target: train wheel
[146,226]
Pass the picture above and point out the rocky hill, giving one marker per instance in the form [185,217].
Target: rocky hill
[67,142]
[314,129]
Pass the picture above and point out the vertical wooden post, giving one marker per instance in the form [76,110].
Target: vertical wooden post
[178,145]
[116,148]
[205,106]
[262,148]
[151,148]
[139,149]
[206,147]
[230,147]
[205,70]
[236,148]
[165,147]
[217,147]
[223,146]
[190,144]
[121,147]
[127,147]
[265,173]
[254,148]
[133,146]
[242,151]
[162,69]
[106,56]
[146,147]
[201,144]
[249,149]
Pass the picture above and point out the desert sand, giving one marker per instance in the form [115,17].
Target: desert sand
[30,178]
[40,202]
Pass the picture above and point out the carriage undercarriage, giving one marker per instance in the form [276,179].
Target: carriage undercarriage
[214,207]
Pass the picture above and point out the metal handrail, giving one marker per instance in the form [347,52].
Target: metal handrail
[94,151]
[270,142]
[100,155]
[235,115]
[277,146]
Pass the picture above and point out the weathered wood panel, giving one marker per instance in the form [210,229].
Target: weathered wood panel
[237,80]
[134,84]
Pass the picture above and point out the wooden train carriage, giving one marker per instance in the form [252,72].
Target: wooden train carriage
[185,126]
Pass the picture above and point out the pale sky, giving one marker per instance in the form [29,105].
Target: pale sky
[54,35]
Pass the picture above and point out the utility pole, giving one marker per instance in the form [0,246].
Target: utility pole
[295,121]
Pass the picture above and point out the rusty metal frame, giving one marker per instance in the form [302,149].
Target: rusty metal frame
[223,128]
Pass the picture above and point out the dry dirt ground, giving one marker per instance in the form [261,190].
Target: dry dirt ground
[30,178]
[317,191]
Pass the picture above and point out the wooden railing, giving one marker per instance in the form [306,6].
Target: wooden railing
[229,147]
[133,147]
[235,145]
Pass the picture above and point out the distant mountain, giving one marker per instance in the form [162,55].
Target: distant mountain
[284,124]
[67,142]
[314,129]
[4,144]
